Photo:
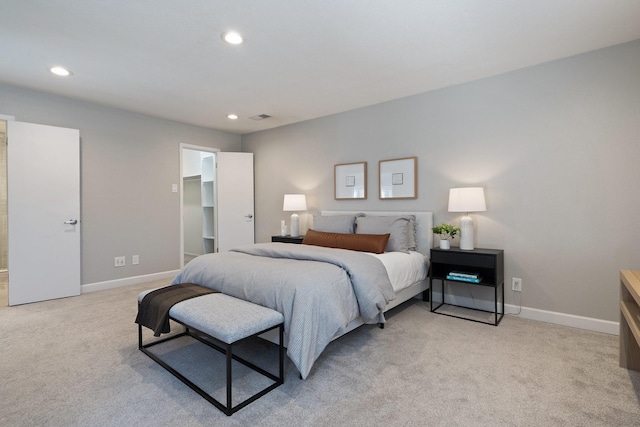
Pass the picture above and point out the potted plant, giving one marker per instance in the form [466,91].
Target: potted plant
[446,232]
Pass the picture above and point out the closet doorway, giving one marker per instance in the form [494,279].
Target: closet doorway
[198,172]
[217,206]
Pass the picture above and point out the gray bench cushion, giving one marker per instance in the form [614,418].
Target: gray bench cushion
[226,318]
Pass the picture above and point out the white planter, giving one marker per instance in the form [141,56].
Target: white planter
[445,244]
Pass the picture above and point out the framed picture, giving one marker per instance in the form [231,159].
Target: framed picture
[350,181]
[398,178]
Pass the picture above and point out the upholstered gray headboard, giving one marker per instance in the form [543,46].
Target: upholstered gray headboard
[424,224]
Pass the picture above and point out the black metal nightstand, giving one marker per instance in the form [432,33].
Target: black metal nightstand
[487,263]
[287,239]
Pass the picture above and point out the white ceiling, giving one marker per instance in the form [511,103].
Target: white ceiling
[302,58]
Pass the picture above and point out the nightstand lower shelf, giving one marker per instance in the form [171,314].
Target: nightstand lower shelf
[443,304]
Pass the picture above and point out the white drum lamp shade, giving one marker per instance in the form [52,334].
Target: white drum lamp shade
[294,203]
[468,199]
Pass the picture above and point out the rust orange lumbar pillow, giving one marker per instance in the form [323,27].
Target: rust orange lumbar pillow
[375,243]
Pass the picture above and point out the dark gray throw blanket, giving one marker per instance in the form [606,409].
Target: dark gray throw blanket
[153,311]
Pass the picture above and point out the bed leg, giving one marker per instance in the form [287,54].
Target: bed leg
[425,295]
[381,325]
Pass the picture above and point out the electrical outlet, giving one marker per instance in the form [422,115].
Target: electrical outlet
[135,259]
[516,284]
[119,261]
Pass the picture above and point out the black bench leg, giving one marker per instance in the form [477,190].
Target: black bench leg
[229,410]
[281,349]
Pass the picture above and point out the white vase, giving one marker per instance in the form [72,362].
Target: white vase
[445,244]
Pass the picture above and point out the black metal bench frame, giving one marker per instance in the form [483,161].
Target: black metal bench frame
[227,350]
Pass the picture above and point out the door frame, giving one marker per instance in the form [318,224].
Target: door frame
[182,147]
[4,301]
[5,119]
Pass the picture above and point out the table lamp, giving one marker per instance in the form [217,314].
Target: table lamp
[468,199]
[294,203]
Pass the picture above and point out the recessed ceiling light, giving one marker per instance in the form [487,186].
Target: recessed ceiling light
[60,71]
[232,37]
[232,116]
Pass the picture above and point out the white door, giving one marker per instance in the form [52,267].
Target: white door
[43,179]
[235,226]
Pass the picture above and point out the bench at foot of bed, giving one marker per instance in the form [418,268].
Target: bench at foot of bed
[221,321]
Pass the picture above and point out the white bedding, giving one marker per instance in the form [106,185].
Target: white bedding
[404,269]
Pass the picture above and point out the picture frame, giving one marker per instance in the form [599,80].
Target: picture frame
[398,178]
[350,181]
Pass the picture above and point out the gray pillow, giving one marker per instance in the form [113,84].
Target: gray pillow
[402,229]
[334,223]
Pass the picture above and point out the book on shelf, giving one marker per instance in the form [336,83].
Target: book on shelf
[464,274]
[477,279]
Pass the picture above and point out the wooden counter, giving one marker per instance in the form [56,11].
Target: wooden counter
[630,319]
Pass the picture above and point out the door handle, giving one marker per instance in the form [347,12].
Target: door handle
[71,221]
[249,216]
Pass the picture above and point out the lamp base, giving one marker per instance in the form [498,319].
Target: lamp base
[295,225]
[466,233]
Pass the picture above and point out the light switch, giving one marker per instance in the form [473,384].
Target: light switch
[174,188]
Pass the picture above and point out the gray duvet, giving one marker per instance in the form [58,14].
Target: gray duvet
[318,290]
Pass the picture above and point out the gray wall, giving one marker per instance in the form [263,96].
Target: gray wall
[556,147]
[129,162]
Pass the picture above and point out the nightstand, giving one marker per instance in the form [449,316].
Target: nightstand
[287,239]
[487,263]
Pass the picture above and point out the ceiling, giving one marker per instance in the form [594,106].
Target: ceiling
[302,59]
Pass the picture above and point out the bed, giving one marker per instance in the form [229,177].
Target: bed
[325,292]
[424,242]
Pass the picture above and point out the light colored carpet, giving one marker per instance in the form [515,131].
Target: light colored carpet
[75,361]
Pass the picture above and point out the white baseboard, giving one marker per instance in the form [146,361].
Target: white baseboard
[580,322]
[588,323]
[135,280]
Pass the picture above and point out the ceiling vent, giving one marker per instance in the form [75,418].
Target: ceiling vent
[260,117]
